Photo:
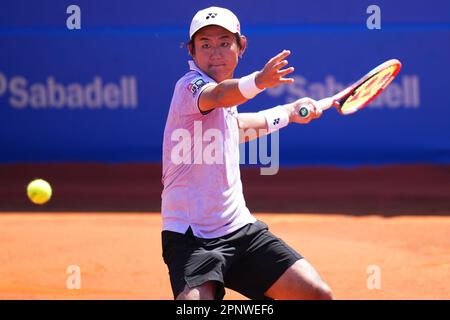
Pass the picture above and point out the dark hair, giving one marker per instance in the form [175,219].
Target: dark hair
[192,45]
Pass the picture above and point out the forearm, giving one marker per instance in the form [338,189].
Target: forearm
[251,120]
[225,94]
[257,120]
[254,125]
[230,92]
[251,126]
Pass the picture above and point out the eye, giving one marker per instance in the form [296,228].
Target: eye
[225,44]
[205,46]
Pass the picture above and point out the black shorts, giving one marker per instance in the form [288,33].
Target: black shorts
[248,260]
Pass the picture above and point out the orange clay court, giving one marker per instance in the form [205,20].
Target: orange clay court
[119,253]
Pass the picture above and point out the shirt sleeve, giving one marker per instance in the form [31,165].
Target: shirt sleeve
[190,88]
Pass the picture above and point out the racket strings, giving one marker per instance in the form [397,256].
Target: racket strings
[369,89]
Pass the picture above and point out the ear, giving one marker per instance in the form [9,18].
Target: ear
[244,46]
[190,47]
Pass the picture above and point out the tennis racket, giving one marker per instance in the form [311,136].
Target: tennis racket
[360,93]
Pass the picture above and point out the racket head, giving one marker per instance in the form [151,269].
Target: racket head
[362,92]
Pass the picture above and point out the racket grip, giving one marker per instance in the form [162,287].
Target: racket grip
[322,104]
[303,112]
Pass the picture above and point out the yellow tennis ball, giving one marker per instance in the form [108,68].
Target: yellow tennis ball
[39,191]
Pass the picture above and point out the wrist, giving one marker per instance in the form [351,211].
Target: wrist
[247,86]
[258,81]
[290,109]
[276,118]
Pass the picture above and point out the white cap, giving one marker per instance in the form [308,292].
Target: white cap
[215,16]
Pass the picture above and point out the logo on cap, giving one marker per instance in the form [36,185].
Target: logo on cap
[211,15]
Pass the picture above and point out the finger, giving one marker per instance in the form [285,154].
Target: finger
[318,112]
[284,72]
[283,54]
[315,111]
[307,100]
[280,64]
[287,80]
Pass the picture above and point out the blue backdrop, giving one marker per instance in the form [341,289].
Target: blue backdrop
[102,93]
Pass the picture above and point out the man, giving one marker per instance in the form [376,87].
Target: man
[210,239]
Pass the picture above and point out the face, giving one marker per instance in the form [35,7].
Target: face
[217,52]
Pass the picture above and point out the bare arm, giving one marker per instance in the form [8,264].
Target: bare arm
[227,94]
[223,95]
[253,125]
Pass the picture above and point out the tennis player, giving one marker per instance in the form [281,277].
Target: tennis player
[210,239]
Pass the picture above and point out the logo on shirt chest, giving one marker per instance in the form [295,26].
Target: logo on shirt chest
[195,85]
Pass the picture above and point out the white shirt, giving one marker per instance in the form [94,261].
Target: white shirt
[203,192]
